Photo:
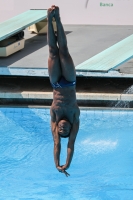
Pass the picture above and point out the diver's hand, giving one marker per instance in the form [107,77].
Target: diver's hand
[65,167]
[59,168]
[50,13]
[62,170]
[65,172]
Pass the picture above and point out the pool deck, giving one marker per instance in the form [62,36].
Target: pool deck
[84,41]
[24,75]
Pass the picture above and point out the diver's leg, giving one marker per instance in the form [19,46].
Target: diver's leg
[67,65]
[54,68]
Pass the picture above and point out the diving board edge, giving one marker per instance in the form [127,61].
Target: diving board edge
[102,70]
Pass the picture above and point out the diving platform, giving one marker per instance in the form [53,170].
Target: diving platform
[84,43]
[110,58]
[21,22]
[12,30]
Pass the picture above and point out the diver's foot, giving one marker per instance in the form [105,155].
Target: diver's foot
[56,12]
[50,13]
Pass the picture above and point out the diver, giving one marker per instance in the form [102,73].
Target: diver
[64,109]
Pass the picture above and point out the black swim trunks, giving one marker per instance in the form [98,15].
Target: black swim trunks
[63,83]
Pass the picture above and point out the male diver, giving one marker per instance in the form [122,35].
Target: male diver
[64,109]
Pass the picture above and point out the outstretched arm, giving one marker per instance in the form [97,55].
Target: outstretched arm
[56,138]
[70,146]
[72,138]
[57,148]
[57,145]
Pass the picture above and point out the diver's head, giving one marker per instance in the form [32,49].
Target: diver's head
[64,127]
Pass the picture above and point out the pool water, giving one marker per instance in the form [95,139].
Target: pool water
[101,169]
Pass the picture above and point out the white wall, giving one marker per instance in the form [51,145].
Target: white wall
[119,12]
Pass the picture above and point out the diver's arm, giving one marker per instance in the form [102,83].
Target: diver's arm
[70,151]
[56,138]
[72,138]
[70,146]
[57,149]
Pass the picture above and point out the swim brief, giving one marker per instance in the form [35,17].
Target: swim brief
[63,83]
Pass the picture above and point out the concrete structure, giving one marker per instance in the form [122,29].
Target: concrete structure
[83,41]
[27,74]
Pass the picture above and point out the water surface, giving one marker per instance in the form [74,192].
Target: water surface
[101,169]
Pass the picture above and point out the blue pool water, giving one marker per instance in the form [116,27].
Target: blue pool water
[102,167]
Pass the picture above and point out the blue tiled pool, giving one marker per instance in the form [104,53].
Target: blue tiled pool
[102,167]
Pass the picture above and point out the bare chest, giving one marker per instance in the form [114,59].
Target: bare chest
[64,112]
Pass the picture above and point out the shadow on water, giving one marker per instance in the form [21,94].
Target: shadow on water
[31,45]
[29,119]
